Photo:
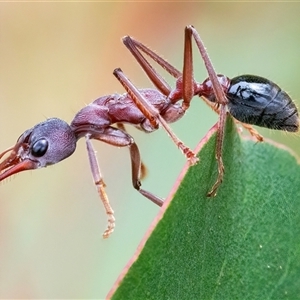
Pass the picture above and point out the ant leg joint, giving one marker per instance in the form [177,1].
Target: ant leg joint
[189,154]
[137,185]
[185,106]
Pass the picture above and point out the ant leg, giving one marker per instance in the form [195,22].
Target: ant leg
[133,46]
[100,187]
[115,137]
[248,127]
[252,131]
[152,114]
[135,168]
[188,72]
[190,32]
[188,76]
[143,170]
[218,90]
[185,82]
[147,109]
[219,148]
[118,138]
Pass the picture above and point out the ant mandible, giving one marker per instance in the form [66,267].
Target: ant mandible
[250,99]
[53,140]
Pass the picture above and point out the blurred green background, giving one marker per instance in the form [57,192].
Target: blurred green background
[57,57]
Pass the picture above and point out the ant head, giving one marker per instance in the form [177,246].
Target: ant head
[44,144]
[206,88]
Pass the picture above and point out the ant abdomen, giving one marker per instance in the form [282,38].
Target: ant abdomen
[258,101]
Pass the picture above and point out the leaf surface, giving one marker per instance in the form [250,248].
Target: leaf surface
[242,244]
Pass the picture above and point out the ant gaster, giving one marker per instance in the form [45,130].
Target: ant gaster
[249,99]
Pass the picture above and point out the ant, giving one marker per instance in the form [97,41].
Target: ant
[250,99]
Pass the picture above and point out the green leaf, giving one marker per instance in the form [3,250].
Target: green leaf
[242,244]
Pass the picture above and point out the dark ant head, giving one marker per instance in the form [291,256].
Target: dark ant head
[44,144]
[207,90]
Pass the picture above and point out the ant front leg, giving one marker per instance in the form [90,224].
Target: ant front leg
[153,115]
[115,137]
[98,180]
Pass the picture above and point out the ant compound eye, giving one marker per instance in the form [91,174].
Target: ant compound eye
[39,148]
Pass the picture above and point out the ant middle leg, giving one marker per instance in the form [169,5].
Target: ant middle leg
[98,180]
[153,115]
[134,47]
[135,170]
[143,170]
[185,87]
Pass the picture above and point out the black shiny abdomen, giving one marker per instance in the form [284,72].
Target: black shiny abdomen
[258,101]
